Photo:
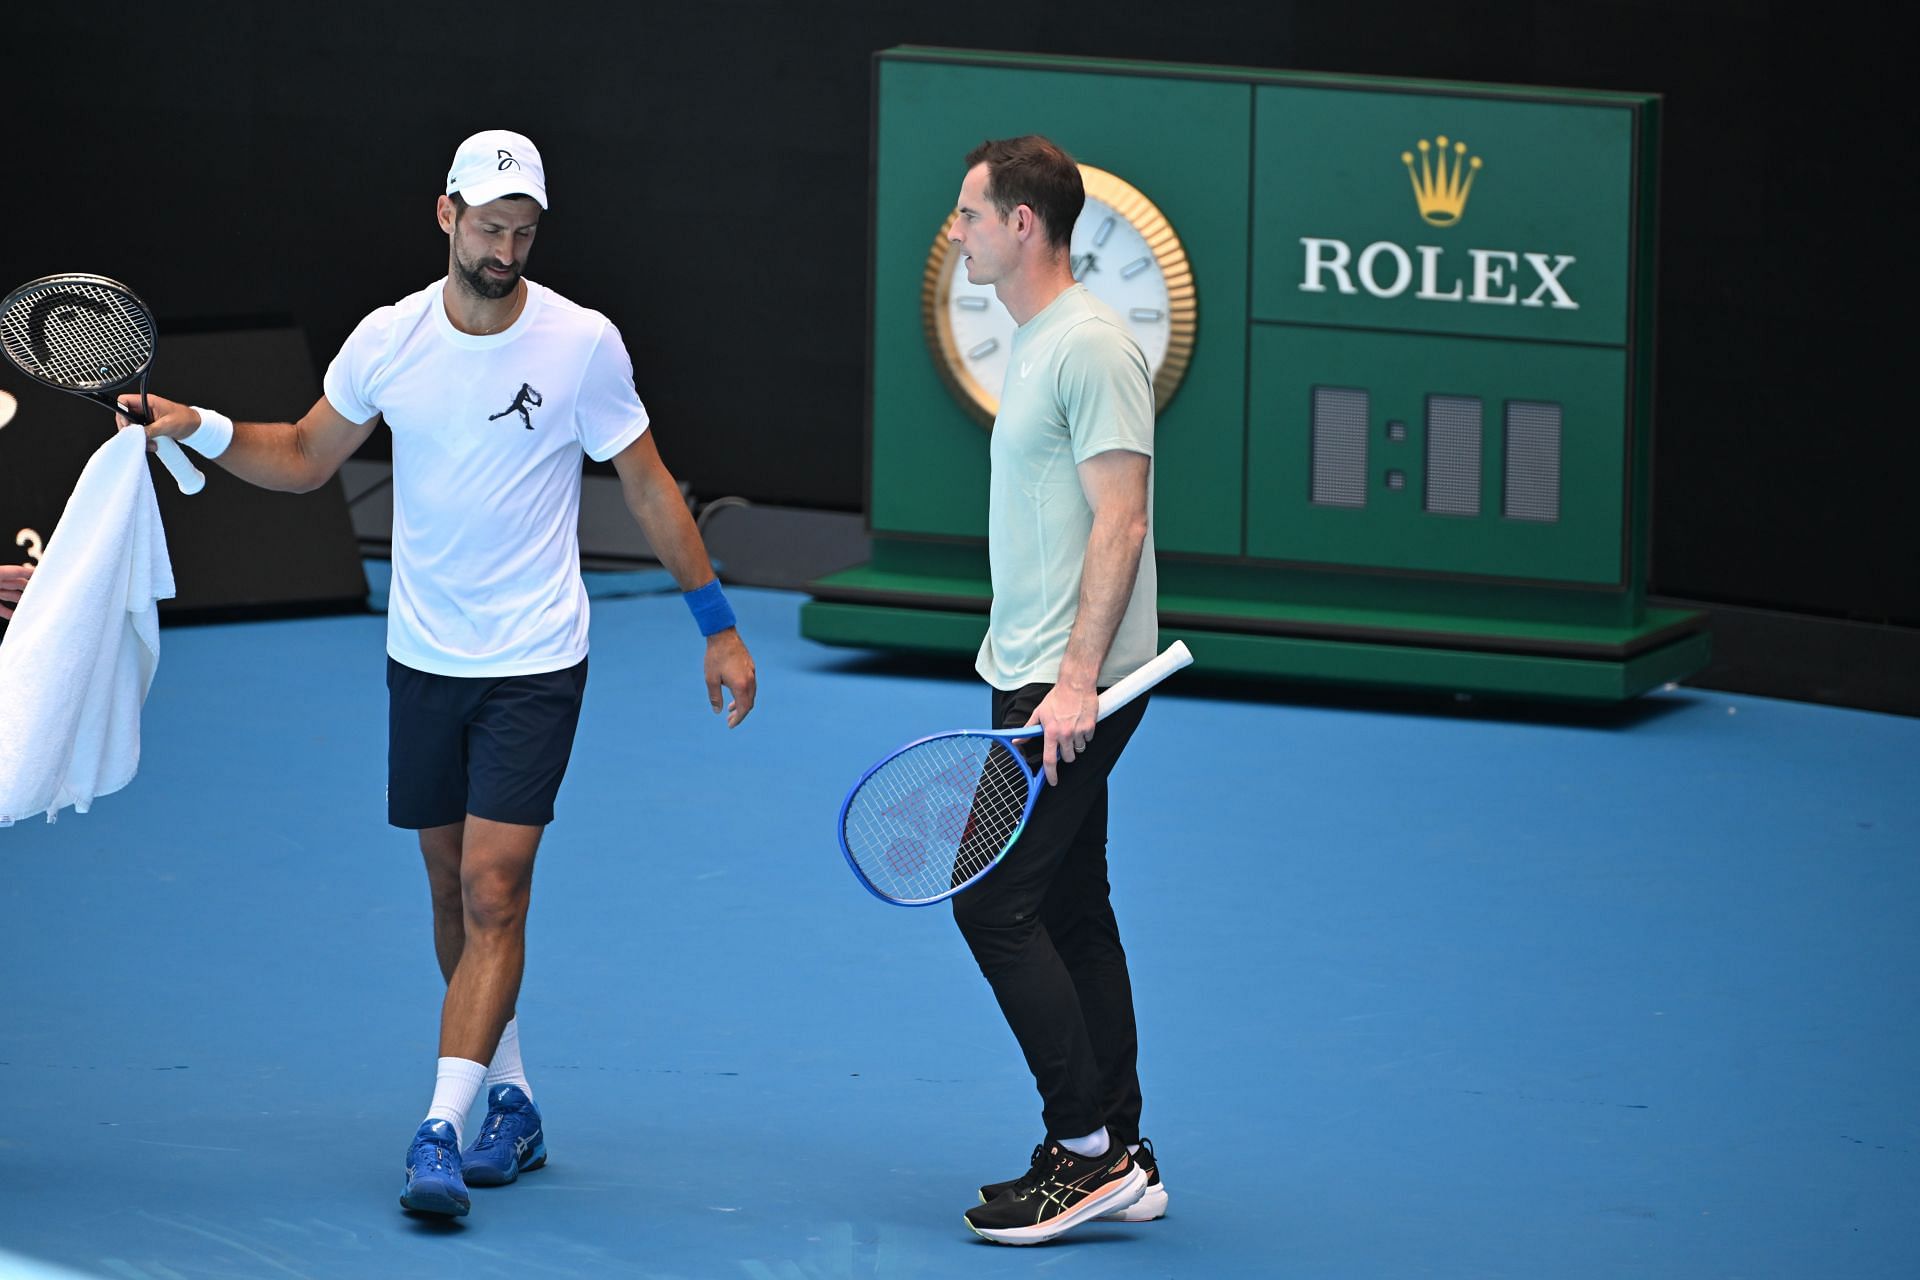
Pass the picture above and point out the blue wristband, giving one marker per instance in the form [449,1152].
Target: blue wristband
[710,608]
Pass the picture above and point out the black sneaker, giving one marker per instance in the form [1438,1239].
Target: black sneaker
[993,1189]
[1152,1204]
[1060,1191]
[1153,1201]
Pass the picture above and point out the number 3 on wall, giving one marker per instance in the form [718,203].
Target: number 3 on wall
[30,539]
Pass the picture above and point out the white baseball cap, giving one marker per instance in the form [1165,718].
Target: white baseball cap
[495,163]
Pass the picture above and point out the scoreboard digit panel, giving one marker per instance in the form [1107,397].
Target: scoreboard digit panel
[1437,454]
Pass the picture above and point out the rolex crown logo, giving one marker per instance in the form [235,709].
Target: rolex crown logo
[1440,185]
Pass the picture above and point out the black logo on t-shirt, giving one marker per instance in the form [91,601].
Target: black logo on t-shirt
[523,404]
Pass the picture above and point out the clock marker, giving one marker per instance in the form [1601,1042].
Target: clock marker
[1110,253]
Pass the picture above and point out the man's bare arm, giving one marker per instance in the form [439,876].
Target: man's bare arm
[294,457]
[654,499]
[1115,484]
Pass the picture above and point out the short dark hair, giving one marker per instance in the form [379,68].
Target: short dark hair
[1034,172]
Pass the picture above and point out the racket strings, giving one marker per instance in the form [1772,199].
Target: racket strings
[77,335]
[936,815]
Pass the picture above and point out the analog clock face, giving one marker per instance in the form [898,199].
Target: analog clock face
[1123,251]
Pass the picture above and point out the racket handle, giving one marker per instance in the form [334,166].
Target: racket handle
[1176,656]
[188,476]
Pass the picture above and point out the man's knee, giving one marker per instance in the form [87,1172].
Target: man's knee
[496,873]
[494,902]
[494,891]
[997,932]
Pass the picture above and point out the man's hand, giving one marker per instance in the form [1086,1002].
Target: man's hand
[169,419]
[729,665]
[13,580]
[1067,715]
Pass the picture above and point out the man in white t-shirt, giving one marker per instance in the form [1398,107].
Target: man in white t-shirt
[1070,548]
[493,387]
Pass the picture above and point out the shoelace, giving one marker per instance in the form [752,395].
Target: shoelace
[1035,1173]
[490,1131]
[435,1158]
[1061,1159]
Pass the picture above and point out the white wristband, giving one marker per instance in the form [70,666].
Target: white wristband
[215,432]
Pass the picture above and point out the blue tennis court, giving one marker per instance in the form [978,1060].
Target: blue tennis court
[1425,988]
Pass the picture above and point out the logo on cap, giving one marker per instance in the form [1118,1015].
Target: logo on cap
[506,160]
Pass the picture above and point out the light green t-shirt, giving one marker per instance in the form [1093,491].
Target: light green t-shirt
[1077,386]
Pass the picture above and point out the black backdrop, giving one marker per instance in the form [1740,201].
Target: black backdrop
[709,167]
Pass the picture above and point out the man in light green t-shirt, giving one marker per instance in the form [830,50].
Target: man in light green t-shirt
[1069,532]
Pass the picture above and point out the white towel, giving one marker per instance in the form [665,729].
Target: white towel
[84,642]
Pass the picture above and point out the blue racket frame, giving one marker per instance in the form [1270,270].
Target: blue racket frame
[1170,660]
[1033,776]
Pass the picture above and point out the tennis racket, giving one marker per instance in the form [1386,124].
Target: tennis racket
[88,336]
[938,814]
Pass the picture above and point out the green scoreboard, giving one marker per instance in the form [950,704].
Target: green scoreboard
[1402,336]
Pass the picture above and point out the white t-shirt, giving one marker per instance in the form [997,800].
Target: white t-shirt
[1077,385]
[487,437]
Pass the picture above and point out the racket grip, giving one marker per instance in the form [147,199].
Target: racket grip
[188,476]
[1176,656]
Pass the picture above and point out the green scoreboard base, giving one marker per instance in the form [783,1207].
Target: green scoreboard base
[1489,654]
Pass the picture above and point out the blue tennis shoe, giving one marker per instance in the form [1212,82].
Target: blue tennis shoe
[510,1141]
[434,1184]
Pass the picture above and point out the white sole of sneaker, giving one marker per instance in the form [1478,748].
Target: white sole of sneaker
[1117,1196]
[1148,1207]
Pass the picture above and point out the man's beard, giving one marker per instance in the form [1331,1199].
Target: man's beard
[481,285]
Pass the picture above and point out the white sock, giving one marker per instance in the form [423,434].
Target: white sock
[506,1067]
[1094,1144]
[454,1089]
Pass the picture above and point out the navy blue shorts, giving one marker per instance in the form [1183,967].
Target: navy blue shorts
[495,747]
